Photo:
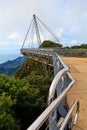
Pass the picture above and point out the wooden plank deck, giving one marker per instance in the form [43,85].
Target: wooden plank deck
[78,69]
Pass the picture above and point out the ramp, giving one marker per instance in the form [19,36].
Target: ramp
[78,69]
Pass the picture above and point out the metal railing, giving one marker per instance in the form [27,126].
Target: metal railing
[60,86]
[68,116]
[40,51]
[42,118]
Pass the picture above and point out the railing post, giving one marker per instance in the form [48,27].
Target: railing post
[56,68]
[53,116]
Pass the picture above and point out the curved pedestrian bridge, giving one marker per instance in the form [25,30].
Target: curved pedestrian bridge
[78,69]
[70,81]
[64,86]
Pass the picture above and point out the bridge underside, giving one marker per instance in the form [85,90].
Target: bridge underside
[78,69]
[43,58]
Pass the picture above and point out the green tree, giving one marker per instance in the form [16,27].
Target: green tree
[7,120]
[49,43]
[24,97]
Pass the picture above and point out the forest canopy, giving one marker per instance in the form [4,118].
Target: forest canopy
[23,97]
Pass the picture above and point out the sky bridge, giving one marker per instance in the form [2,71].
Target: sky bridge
[67,93]
[63,69]
[62,83]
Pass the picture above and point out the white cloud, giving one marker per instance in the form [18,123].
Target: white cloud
[74,42]
[59,32]
[14,36]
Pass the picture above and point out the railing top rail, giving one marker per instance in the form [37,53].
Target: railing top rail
[57,77]
[38,49]
[42,118]
[55,83]
[61,61]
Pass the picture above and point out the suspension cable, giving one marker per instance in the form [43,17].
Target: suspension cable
[27,33]
[35,24]
[53,34]
[37,29]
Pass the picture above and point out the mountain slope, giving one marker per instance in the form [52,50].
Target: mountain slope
[10,67]
[48,43]
[30,66]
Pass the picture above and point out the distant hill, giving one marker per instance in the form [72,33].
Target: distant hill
[10,67]
[49,43]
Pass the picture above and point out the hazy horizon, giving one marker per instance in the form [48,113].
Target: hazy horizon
[6,57]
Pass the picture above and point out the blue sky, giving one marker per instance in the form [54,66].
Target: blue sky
[67,18]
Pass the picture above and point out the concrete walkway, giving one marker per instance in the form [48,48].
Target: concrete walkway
[78,69]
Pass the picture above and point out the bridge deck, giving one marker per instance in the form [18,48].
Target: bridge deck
[78,69]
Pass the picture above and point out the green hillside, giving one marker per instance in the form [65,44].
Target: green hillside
[49,43]
[11,66]
[23,97]
[30,67]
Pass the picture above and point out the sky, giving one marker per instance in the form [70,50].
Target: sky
[66,18]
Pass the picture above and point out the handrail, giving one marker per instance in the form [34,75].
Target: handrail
[68,116]
[57,77]
[48,111]
[38,51]
[55,83]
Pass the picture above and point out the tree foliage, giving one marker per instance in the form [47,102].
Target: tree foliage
[82,46]
[49,43]
[24,96]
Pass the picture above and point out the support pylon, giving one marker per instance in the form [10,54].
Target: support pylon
[37,30]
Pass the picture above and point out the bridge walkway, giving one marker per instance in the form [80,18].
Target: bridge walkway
[78,69]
